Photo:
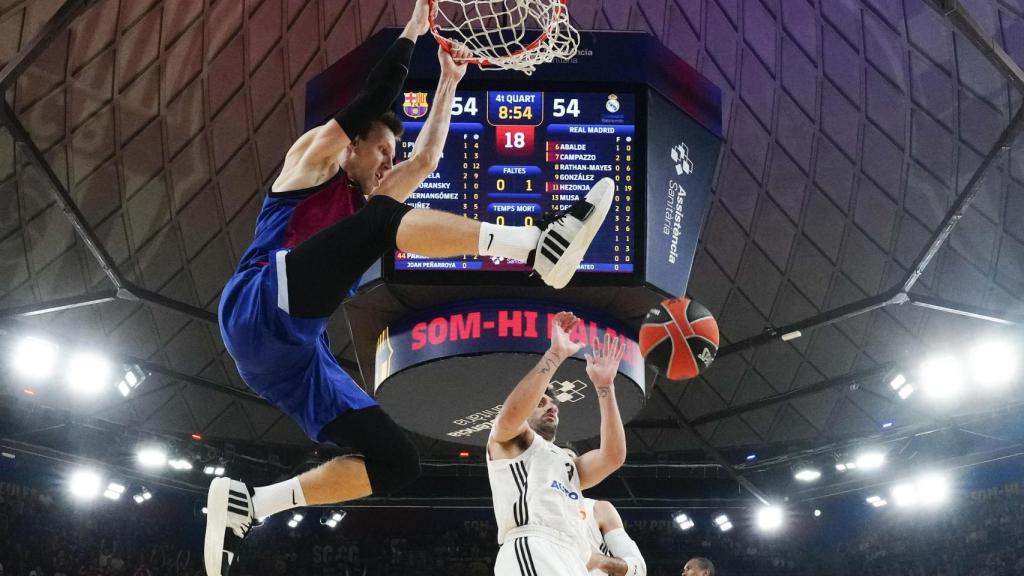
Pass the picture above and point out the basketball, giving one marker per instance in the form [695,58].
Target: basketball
[679,338]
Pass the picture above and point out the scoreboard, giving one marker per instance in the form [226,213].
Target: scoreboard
[511,156]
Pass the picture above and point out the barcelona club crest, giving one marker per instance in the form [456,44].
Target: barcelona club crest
[416,104]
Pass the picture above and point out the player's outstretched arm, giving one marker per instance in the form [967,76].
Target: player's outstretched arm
[405,177]
[310,157]
[510,423]
[602,365]
[626,559]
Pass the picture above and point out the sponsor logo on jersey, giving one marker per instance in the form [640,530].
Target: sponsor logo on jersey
[415,104]
[571,495]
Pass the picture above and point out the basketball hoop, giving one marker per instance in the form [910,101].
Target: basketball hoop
[505,34]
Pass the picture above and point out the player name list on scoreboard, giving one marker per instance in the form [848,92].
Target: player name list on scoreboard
[512,157]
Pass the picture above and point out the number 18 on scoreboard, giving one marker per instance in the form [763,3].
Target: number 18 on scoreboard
[515,116]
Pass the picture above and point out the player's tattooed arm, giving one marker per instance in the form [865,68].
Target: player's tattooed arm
[511,420]
[602,366]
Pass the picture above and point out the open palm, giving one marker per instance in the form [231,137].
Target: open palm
[603,362]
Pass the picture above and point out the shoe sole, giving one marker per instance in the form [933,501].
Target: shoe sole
[216,524]
[563,270]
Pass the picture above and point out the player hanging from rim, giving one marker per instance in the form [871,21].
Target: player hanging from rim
[315,236]
[536,485]
[612,551]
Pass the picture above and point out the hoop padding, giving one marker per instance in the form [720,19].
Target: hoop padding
[506,34]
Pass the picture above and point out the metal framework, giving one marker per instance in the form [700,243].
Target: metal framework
[959,18]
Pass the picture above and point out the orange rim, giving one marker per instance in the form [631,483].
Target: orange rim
[446,44]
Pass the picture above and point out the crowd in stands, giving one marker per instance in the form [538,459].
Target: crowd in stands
[43,534]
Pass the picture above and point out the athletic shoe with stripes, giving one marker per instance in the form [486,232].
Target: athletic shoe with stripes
[229,517]
[565,237]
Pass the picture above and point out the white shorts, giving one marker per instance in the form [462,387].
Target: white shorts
[534,556]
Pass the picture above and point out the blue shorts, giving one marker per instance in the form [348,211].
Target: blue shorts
[285,359]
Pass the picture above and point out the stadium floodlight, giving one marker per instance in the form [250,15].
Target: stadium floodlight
[993,363]
[876,501]
[723,523]
[841,467]
[769,518]
[213,470]
[84,484]
[897,382]
[870,460]
[133,376]
[941,377]
[751,457]
[904,494]
[932,489]
[683,521]
[88,373]
[905,392]
[34,358]
[332,519]
[151,457]
[180,464]
[817,513]
[114,491]
[807,474]
[145,496]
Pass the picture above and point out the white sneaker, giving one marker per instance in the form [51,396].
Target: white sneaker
[229,517]
[565,238]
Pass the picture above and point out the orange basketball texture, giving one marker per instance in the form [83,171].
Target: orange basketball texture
[679,338]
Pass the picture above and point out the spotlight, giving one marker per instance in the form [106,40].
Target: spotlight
[817,513]
[34,358]
[751,457]
[900,385]
[870,460]
[807,475]
[84,484]
[180,464]
[723,523]
[88,373]
[133,376]
[769,518]
[151,457]
[941,377]
[993,363]
[846,466]
[114,491]
[683,521]
[205,510]
[213,470]
[887,424]
[876,501]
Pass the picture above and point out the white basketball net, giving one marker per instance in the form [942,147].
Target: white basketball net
[507,34]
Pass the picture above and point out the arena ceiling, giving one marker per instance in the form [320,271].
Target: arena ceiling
[852,128]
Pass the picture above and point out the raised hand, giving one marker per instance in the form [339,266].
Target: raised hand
[561,343]
[603,362]
[419,22]
[453,65]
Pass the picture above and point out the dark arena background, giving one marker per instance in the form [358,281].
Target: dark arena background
[838,181]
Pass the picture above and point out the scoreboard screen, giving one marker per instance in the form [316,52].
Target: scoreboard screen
[512,156]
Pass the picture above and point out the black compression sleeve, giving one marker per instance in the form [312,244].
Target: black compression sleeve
[383,86]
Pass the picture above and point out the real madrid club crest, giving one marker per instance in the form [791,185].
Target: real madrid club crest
[613,104]
[416,105]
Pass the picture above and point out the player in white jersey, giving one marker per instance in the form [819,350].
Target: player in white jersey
[612,551]
[536,486]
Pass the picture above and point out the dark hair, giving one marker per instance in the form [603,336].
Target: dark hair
[388,120]
[705,564]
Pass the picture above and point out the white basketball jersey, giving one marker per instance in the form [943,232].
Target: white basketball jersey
[594,537]
[538,492]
